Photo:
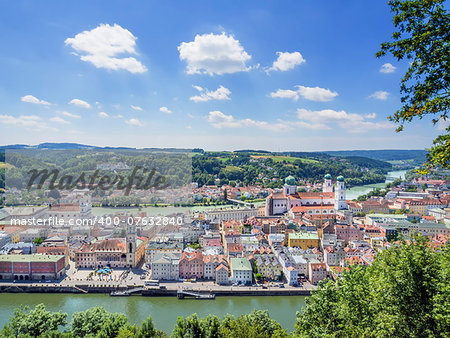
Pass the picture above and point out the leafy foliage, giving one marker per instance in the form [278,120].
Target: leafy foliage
[422,36]
[404,293]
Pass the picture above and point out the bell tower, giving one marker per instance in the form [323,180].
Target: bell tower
[131,245]
[339,194]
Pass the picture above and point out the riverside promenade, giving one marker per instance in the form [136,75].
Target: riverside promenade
[163,290]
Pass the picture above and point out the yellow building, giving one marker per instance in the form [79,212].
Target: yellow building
[268,266]
[304,240]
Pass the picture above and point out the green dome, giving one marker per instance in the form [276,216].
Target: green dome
[328,177]
[340,178]
[290,180]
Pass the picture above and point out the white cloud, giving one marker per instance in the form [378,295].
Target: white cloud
[353,122]
[74,116]
[387,68]
[58,119]
[380,95]
[105,46]
[119,116]
[26,121]
[165,110]
[134,122]
[285,94]
[136,108]
[443,124]
[316,93]
[214,54]
[103,114]
[220,120]
[35,100]
[308,93]
[220,93]
[80,103]
[370,116]
[287,61]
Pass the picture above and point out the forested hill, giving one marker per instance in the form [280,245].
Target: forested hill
[269,169]
[383,155]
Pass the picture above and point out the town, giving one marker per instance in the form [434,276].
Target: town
[291,239]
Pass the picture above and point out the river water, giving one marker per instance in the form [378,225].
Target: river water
[359,190]
[164,310]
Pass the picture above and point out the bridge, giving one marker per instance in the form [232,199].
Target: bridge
[181,294]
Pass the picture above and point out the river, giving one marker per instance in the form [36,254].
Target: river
[359,190]
[164,310]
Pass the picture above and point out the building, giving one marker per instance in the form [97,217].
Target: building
[211,262]
[240,214]
[347,233]
[317,272]
[304,240]
[241,271]
[192,265]
[166,266]
[222,274]
[153,248]
[268,266]
[31,234]
[280,203]
[32,267]
[114,252]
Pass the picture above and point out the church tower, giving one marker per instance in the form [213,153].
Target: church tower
[131,245]
[290,187]
[339,194]
[327,186]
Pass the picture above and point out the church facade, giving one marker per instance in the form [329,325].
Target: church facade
[331,199]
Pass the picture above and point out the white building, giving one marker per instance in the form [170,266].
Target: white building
[165,266]
[241,270]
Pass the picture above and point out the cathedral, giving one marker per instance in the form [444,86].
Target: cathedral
[331,199]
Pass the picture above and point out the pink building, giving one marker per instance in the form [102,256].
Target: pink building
[192,265]
[317,272]
[348,233]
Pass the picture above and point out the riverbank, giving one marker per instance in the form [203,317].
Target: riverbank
[166,291]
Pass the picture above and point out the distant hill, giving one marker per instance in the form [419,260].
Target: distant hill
[383,155]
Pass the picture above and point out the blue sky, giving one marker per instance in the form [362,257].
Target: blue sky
[291,75]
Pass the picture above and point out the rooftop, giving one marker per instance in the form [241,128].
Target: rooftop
[240,264]
[30,258]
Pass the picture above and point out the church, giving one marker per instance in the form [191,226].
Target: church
[331,199]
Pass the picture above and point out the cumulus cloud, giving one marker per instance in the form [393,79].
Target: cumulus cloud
[308,93]
[80,103]
[136,108]
[285,94]
[306,119]
[370,116]
[25,121]
[287,61]
[380,95]
[103,114]
[353,122]
[35,100]
[74,116]
[214,54]
[220,93]
[58,119]
[165,110]
[220,120]
[134,122]
[105,47]
[387,68]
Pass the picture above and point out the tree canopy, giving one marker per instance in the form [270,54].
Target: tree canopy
[422,36]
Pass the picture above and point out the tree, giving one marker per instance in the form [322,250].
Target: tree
[33,323]
[89,322]
[404,293]
[422,36]
[258,276]
[38,241]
